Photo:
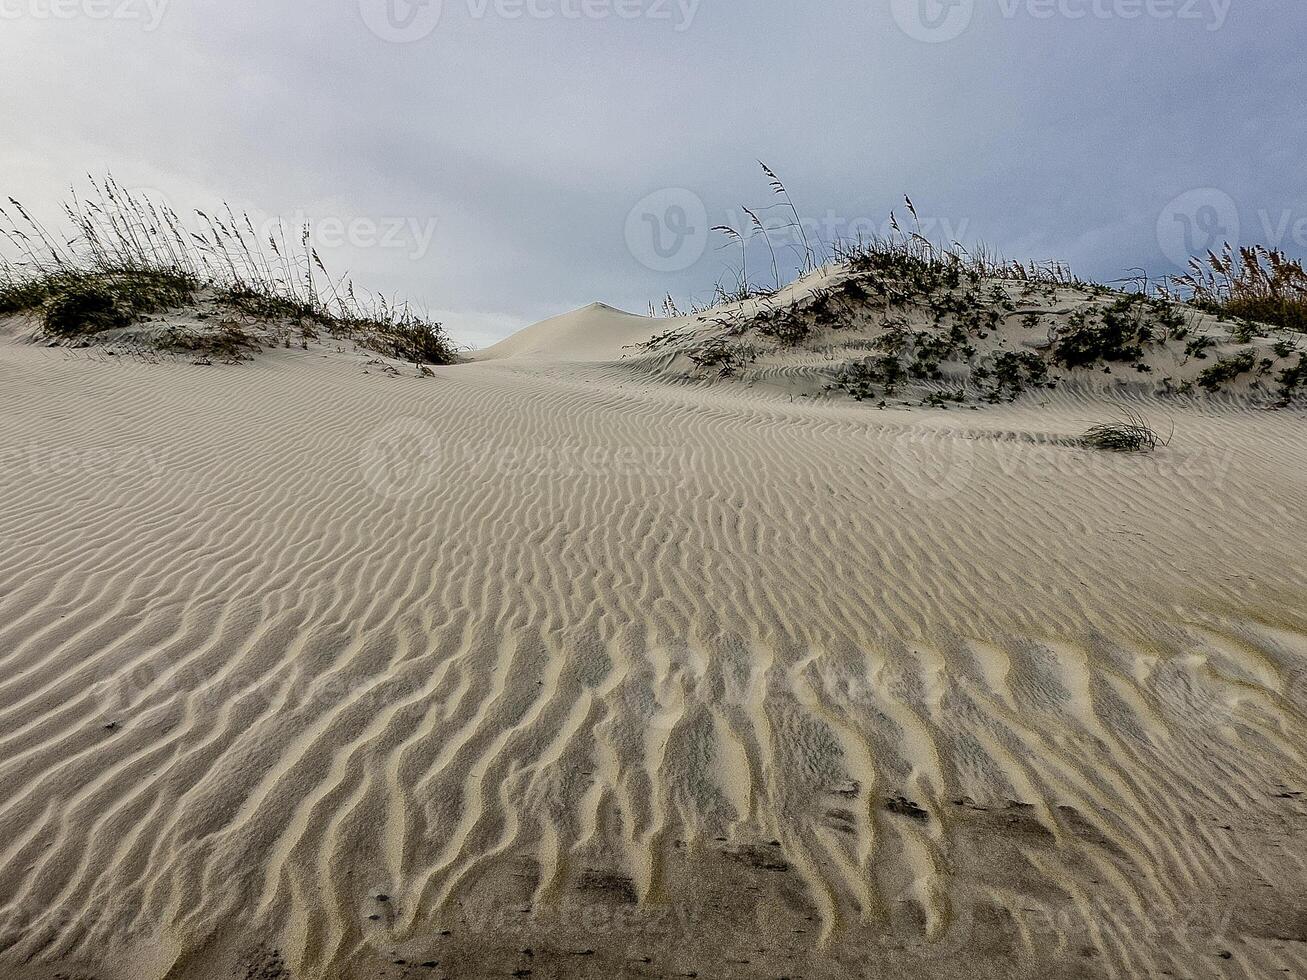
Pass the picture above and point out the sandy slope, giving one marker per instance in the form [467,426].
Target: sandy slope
[593,333]
[545,665]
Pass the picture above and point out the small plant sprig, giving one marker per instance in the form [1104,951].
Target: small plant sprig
[760,227]
[779,189]
[743,290]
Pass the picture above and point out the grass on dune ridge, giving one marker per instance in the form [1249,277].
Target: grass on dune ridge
[128,257]
[1252,283]
[901,317]
[1255,283]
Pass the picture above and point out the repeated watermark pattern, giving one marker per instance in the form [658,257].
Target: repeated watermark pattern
[593,918]
[1196,222]
[673,675]
[409,457]
[290,688]
[410,21]
[401,21]
[938,21]
[409,234]
[1186,928]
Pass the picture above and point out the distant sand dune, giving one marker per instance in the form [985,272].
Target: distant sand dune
[306,671]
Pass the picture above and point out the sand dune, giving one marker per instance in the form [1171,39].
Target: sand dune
[597,332]
[546,664]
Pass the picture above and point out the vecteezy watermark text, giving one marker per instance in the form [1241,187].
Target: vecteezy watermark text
[148,12]
[935,21]
[407,21]
[670,230]
[412,234]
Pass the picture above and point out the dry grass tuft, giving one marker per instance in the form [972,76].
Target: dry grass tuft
[1131,433]
[1255,283]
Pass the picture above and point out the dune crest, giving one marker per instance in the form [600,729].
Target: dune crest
[597,332]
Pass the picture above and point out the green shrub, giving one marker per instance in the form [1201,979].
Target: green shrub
[408,340]
[1198,347]
[84,308]
[1119,335]
[22,296]
[861,378]
[1011,373]
[1292,380]
[1226,370]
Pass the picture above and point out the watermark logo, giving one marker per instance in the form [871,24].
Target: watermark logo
[399,462]
[1193,695]
[408,456]
[401,21]
[933,21]
[668,230]
[934,469]
[1197,222]
[671,229]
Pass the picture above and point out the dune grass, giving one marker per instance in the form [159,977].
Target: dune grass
[1130,433]
[924,317]
[125,257]
[1255,283]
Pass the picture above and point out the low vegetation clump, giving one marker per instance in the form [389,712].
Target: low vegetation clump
[129,258]
[1011,373]
[873,377]
[1292,380]
[230,342]
[1118,333]
[787,327]
[83,307]
[77,303]
[722,355]
[898,317]
[1227,370]
[1131,433]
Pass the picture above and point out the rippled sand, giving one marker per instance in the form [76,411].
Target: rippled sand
[544,664]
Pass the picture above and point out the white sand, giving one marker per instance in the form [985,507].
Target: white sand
[648,679]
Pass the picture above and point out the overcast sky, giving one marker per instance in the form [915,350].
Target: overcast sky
[501,161]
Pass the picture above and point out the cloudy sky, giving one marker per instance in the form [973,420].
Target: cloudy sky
[501,161]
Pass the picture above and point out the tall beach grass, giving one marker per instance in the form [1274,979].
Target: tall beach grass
[118,256]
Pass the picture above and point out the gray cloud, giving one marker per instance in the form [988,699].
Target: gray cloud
[512,140]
